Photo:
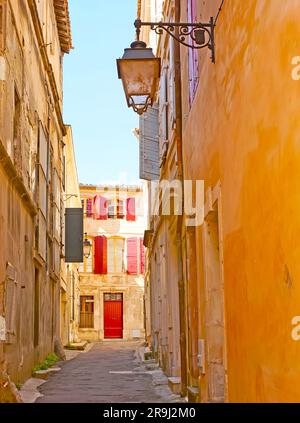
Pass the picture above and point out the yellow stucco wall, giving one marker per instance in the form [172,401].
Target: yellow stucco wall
[244,131]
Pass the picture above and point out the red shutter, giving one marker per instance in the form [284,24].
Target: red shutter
[132,256]
[130,209]
[100,258]
[100,207]
[142,256]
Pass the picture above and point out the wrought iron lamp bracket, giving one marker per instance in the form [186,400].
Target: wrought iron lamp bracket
[192,35]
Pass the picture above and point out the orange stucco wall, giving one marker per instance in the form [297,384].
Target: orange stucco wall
[244,131]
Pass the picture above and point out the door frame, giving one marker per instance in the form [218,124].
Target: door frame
[214,203]
[104,301]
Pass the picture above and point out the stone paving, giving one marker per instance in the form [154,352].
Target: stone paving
[110,372]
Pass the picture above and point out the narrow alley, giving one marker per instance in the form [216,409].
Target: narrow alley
[110,372]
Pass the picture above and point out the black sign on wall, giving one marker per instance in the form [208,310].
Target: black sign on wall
[74,235]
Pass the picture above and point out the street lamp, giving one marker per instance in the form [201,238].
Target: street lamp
[87,246]
[139,69]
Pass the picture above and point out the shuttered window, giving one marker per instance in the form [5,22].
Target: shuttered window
[171,84]
[100,255]
[111,209]
[100,207]
[43,147]
[163,108]
[149,144]
[193,54]
[10,303]
[142,256]
[115,255]
[89,207]
[132,256]
[130,209]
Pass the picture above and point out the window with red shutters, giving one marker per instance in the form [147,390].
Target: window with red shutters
[89,207]
[132,256]
[130,209]
[100,207]
[142,256]
[100,259]
[193,54]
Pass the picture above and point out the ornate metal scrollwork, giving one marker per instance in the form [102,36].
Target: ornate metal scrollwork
[192,35]
[142,108]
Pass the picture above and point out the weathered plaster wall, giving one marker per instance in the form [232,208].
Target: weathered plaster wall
[26,101]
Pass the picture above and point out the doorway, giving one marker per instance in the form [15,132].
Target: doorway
[113,316]
[214,307]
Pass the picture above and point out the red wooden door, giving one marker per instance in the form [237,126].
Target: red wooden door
[113,316]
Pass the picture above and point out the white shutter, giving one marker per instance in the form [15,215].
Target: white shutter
[163,107]
[163,116]
[149,145]
[111,256]
[171,75]
[43,150]
[119,255]
[89,263]
[10,303]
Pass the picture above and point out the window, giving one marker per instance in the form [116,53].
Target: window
[43,152]
[64,173]
[120,209]
[115,255]
[17,131]
[111,209]
[2,26]
[113,297]
[89,207]
[193,54]
[86,312]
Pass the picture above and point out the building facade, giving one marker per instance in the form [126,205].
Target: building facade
[69,280]
[112,277]
[160,134]
[237,130]
[34,35]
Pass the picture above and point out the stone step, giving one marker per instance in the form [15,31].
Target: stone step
[175,384]
[152,366]
[79,346]
[44,374]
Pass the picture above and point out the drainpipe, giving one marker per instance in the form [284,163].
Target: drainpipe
[180,244]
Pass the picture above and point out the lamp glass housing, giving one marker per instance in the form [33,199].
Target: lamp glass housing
[87,246]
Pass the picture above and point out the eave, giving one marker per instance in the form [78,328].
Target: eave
[61,8]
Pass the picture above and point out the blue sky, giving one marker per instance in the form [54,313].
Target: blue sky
[94,101]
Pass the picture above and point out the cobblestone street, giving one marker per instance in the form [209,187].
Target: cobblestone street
[110,372]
